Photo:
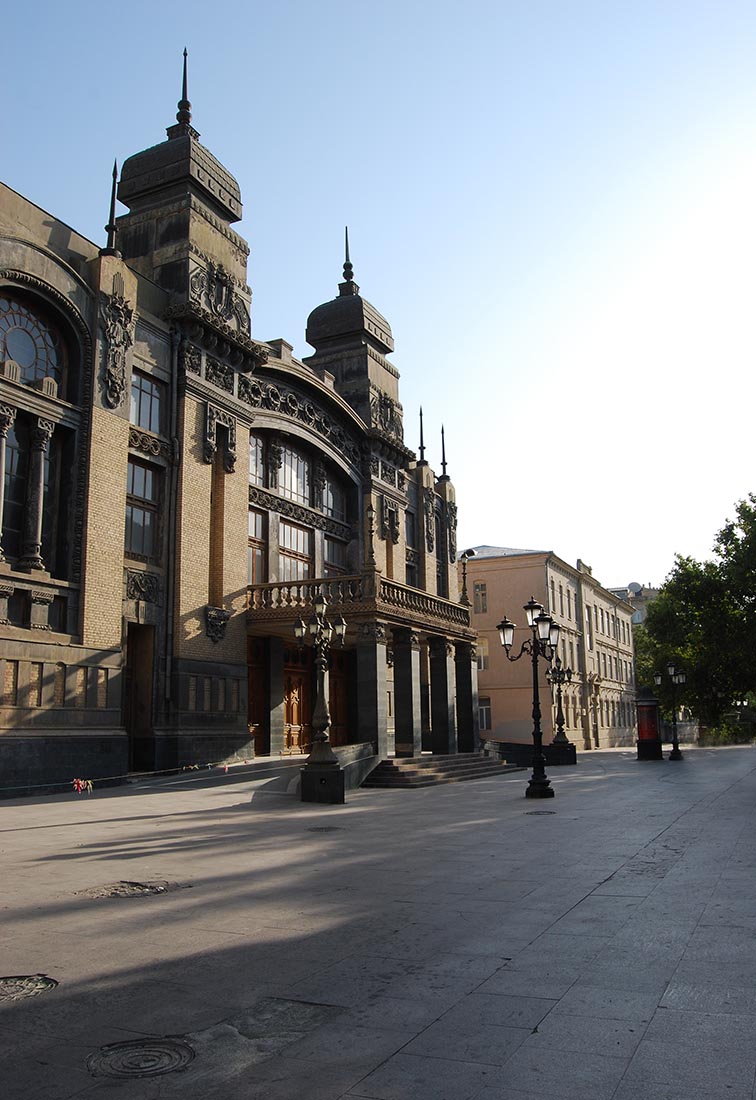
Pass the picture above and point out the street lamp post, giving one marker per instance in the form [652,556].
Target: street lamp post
[542,643]
[464,557]
[322,758]
[556,677]
[676,676]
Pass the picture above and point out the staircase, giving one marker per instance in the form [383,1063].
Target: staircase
[429,771]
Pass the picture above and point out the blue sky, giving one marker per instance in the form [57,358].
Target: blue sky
[551,203]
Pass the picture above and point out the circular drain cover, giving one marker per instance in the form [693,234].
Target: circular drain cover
[140,1058]
[128,889]
[24,985]
[540,813]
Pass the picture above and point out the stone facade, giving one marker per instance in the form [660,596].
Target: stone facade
[177,492]
[596,643]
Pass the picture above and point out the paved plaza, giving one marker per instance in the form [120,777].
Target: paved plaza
[449,943]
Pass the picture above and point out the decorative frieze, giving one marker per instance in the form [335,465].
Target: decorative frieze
[451,530]
[149,445]
[298,512]
[214,417]
[429,509]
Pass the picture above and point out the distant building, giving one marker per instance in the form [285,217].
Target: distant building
[639,596]
[596,643]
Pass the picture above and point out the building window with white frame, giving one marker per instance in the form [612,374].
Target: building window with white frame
[484,714]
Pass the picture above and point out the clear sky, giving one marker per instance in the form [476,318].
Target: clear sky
[553,204]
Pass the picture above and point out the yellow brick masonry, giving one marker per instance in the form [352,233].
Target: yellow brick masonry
[103,548]
[193,545]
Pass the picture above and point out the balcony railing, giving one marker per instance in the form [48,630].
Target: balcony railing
[368,594]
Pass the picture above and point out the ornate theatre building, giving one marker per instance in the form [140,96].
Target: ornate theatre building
[174,494]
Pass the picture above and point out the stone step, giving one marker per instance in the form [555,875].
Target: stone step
[428,771]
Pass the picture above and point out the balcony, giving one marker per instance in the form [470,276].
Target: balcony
[365,597]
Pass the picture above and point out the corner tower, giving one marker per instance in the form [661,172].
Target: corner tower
[182,203]
[351,340]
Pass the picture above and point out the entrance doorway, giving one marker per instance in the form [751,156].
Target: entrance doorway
[138,696]
[258,716]
[297,676]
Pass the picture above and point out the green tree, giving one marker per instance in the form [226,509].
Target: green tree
[704,620]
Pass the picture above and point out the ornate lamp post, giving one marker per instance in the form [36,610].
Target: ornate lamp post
[322,758]
[677,676]
[556,677]
[542,643]
[464,557]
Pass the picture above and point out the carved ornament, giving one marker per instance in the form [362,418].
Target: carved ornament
[451,530]
[429,509]
[298,512]
[216,621]
[142,586]
[215,416]
[117,319]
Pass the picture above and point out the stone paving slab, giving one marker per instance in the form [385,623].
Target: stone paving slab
[432,944]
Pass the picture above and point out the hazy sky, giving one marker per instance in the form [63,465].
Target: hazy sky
[553,204]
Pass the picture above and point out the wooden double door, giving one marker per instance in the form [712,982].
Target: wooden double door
[298,697]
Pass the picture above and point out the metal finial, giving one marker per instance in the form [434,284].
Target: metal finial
[111,228]
[443,453]
[422,442]
[184,114]
[348,270]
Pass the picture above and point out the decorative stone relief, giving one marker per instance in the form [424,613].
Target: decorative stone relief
[141,441]
[190,357]
[220,375]
[429,509]
[142,586]
[117,318]
[7,417]
[274,459]
[390,527]
[216,620]
[372,632]
[213,288]
[297,512]
[451,530]
[214,417]
[319,482]
[386,414]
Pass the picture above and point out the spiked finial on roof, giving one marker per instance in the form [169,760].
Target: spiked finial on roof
[422,461]
[443,454]
[349,286]
[184,113]
[111,229]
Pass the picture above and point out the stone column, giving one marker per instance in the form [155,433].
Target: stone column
[466,665]
[408,728]
[31,551]
[7,416]
[276,695]
[443,718]
[372,709]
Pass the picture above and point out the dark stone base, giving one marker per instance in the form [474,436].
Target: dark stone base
[322,784]
[650,749]
[520,752]
[49,764]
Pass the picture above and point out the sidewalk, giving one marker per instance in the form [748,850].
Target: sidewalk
[450,943]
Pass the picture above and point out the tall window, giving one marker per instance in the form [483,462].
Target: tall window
[256,460]
[294,479]
[16,465]
[410,530]
[480,600]
[142,503]
[569,604]
[257,572]
[294,552]
[147,403]
[334,557]
[561,600]
[334,499]
[31,342]
[484,713]
[482,654]
[588,628]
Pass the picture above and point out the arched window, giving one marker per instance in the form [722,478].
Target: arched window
[31,340]
[294,478]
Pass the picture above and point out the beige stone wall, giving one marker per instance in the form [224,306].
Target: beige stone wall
[102,571]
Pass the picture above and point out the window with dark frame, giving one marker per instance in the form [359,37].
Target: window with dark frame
[147,403]
[295,561]
[257,550]
[256,460]
[484,713]
[142,507]
[480,599]
[334,556]
[294,477]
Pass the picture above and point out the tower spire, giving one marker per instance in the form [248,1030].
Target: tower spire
[111,228]
[349,286]
[422,441]
[443,453]
[184,113]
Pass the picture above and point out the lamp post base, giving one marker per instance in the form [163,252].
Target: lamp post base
[539,788]
[675,754]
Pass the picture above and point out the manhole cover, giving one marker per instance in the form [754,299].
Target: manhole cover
[325,829]
[25,985]
[140,1058]
[540,813]
[129,889]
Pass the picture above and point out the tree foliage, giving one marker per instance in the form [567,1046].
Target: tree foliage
[704,620]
